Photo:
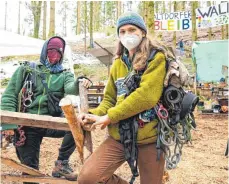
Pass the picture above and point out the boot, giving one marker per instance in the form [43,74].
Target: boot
[62,168]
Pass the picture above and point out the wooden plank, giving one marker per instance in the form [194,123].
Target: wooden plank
[34,120]
[213,114]
[38,179]
[23,168]
[95,94]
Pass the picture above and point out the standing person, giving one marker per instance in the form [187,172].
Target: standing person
[48,79]
[181,47]
[134,87]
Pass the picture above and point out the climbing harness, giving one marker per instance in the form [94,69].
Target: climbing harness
[25,100]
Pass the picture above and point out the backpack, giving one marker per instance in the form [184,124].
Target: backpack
[174,112]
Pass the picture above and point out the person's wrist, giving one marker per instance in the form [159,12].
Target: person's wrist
[108,120]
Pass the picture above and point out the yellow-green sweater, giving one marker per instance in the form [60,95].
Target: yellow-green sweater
[143,98]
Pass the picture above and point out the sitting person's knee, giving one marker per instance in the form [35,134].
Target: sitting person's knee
[87,177]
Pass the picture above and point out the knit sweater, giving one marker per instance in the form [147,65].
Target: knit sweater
[143,98]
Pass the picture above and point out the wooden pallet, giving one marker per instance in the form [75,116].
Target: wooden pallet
[34,175]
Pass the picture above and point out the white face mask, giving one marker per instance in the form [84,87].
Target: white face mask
[130,41]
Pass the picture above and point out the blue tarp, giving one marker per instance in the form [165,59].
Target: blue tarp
[210,57]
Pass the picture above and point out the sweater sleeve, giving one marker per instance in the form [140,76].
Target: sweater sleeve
[146,95]
[9,100]
[71,87]
[109,99]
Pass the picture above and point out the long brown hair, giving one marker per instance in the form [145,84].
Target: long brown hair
[143,51]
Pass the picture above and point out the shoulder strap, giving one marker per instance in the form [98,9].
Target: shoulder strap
[43,80]
[31,76]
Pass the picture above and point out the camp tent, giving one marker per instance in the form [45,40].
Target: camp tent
[12,44]
[210,57]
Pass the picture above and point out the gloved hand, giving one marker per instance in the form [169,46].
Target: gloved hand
[87,83]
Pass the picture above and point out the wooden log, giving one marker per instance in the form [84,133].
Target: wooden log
[75,127]
[23,168]
[83,92]
[39,179]
[34,120]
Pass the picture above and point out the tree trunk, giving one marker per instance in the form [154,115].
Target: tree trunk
[5,26]
[175,33]
[52,19]
[146,12]
[78,26]
[209,29]
[96,13]
[44,20]
[19,18]
[226,36]
[222,32]
[36,10]
[156,6]
[163,9]
[85,27]
[194,30]
[151,20]
[119,9]
[183,5]
[91,24]
[65,19]
[170,6]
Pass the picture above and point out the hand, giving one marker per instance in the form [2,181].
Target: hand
[86,83]
[8,132]
[101,121]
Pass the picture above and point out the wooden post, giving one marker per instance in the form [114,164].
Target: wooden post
[75,127]
[83,92]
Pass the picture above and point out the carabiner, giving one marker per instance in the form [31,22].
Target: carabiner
[162,112]
[27,102]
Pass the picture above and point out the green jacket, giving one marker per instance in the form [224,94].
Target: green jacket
[60,84]
[143,98]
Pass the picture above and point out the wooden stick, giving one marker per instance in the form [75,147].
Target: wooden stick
[83,92]
[39,179]
[75,127]
[23,168]
[34,120]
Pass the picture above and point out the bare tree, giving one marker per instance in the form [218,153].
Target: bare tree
[5,27]
[44,19]
[85,27]
[174,33]
[194,30]
[119,8]
[209,29]
[35,7]
[78,24]
[150,20]
[52,19]
[91,25]
[19,18]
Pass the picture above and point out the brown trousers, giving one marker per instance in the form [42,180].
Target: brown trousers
[101,165]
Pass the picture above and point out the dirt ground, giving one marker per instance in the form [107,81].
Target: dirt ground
[203,161]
